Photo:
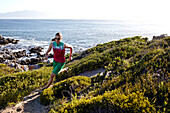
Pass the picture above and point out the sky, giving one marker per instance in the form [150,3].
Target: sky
[92,9]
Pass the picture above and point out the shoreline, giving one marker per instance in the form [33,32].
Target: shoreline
[31,55]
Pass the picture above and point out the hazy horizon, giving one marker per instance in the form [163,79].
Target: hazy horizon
[86,9]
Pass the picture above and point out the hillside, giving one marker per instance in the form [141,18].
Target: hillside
[136,79]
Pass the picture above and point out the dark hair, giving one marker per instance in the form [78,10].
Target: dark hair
[57,34]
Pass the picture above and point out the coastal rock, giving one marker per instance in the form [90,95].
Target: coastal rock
[23,62]
[28,61]
[36,50]
[20,54]
[15,41]
[40,55]
[160,37]
[2,52]
[10,40]
[6,56]
[15,53]
[1,58]
[34,60]
[4,41]
[50,55]
[1,37]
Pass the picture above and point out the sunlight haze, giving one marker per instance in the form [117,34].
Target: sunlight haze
[92,9]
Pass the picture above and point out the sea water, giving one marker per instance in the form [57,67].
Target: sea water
[81,34]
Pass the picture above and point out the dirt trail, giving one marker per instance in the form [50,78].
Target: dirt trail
[91,73]
[31,102]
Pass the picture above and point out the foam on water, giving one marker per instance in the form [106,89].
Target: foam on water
[81,34]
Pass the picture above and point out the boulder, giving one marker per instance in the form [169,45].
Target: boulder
[28,61]
[50,55]
[20,54]
[34,60]
[36,50]
[15,41]
[10,40]
[2,52]
[23,62]
[1,38]
[159,37]
[6,56]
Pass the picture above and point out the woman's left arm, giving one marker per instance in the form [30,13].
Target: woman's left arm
[71,50]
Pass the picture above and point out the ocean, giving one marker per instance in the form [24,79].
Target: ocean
[81,34]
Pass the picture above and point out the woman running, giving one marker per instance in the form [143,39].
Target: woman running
[59,59]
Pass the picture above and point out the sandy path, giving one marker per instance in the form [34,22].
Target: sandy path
[31,102]
[91,73]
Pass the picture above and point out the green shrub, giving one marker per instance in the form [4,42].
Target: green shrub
[4,70]
[78,83]
[15,86]
[113,101]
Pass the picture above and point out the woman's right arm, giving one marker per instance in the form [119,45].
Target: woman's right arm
[49,49]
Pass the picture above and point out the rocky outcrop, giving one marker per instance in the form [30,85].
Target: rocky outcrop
[4,41]
[22,57]
[36,50]
[160,37]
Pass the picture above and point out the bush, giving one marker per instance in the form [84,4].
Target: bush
[15,86]
[113,101]
[77,84]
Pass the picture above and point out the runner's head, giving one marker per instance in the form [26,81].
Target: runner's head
[58,36]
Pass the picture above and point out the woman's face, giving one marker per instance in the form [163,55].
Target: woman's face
[58,38]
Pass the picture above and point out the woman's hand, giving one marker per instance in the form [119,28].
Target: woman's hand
[49,49]
[46,56]
[71,49]
[70,58]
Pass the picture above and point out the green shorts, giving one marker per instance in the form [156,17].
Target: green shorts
[57,66]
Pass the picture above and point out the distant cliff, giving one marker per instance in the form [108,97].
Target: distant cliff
[26,14]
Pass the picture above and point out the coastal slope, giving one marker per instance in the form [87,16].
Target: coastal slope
[134,78]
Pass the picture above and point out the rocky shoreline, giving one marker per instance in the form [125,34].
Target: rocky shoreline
[11,51]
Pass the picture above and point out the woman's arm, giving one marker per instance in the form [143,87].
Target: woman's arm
[71,50]
[49,49]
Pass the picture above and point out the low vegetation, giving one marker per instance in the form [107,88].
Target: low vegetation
[17,85]
[136,79]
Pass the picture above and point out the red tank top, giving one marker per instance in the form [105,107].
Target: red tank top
[59,52]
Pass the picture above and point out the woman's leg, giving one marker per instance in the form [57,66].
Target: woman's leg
[50,80]
[56,69]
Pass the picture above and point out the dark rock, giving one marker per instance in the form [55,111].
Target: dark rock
[2,60]
[20,54]
[159,37]
[18,109]
[36,50]
[15,41]
[34,60]
[12,57]
[4,41]
[50,55]
[10,40]
[28,61]
[6,52]
[1,37]
[6,56]
[2,52]
[23,62]
[1,42]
